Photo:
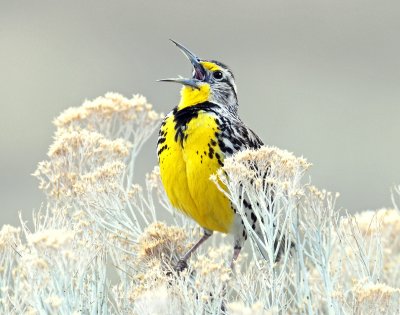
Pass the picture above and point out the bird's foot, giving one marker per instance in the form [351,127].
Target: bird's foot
[180,266]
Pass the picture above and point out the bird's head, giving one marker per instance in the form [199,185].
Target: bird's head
[211,81]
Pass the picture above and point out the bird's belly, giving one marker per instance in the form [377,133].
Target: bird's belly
[185,172]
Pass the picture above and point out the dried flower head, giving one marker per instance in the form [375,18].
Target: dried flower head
[163,243]
[9,236]
[79,157]
[267,163]
[111,106]
[51,239]
[71,142]
[376,298]
[385,220]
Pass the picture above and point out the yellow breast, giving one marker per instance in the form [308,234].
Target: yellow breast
[186,163]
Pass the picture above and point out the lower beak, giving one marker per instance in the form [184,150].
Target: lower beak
[189,82]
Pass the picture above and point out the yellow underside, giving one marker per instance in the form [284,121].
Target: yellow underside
[185,173]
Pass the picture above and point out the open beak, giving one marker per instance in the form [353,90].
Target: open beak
[199,73]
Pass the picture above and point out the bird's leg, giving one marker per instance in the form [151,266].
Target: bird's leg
[182,263]
[236,251]
[238,243]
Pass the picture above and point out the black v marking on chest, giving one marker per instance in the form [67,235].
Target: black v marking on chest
[184,116]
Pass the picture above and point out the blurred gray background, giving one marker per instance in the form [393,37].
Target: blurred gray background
[319,78]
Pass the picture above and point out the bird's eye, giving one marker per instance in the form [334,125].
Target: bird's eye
[217,75]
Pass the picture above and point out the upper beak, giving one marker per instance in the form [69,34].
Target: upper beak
[199,71]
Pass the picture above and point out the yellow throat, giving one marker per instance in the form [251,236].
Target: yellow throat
[191,96]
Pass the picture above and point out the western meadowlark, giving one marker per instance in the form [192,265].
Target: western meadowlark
[194,139]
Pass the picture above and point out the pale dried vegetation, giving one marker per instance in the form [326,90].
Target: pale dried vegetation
[99,245]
